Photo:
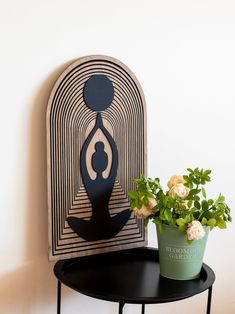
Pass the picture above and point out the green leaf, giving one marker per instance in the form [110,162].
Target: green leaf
[221,198]
[189,204]
[133,194]
[197,204]
[168,215]
[145,201]
[139,204]
[221,224]
[180,221]
[133,204]
[186,178]
[206,172]
[188,218]
[183,228]
[196,181]
[212,222]
[207,178]
[203,192]
[205,205]
[196,198]
[190,170]
[194,192]
[161,228]
[210,202]
[196,213]
[204,221]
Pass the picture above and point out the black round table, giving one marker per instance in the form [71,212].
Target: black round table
[129,276]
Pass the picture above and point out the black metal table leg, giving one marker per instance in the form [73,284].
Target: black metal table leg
[208,310]
[121,305]
[58,297]
[143,309]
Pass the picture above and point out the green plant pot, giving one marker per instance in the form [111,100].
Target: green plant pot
[178,259]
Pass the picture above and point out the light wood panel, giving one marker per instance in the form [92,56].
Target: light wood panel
[69,122]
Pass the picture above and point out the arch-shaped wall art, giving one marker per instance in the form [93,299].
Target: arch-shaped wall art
[96,145]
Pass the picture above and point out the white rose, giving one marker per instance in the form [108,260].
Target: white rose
[175,179]
[179,189]
[195,230]
[142,212]
[145,211]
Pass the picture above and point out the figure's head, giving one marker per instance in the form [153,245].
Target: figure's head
[98,92]
[99,146]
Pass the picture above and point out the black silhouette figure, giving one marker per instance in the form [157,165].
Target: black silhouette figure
[98,95]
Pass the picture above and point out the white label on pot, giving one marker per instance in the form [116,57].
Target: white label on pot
[182,253]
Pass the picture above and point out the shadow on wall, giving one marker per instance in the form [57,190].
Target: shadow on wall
[32,288]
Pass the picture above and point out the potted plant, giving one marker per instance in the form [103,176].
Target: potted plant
[183,216]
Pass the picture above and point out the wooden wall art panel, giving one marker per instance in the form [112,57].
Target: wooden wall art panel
[96,145]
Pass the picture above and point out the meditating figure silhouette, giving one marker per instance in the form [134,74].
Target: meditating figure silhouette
[98,96]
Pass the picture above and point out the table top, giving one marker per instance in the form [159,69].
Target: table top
[132,276]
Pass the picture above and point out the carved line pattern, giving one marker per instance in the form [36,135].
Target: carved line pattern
[69,119]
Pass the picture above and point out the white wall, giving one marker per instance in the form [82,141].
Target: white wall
[183,54]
